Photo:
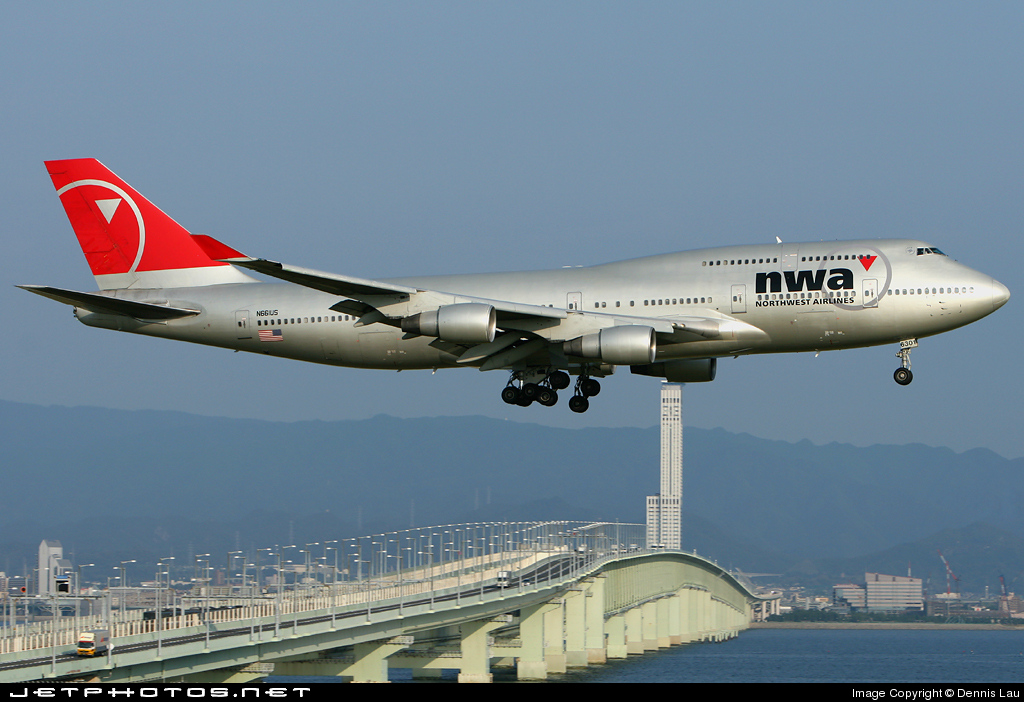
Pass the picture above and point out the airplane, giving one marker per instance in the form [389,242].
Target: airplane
[669,316]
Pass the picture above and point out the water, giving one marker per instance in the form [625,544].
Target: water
[828,655]
[810,656]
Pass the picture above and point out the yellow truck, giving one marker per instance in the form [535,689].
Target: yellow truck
[94,642]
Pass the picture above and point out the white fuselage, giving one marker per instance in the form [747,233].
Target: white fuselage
[766,299]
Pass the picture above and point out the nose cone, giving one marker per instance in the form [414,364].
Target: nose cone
[1000,294]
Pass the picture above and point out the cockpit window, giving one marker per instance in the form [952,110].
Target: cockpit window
[921,251]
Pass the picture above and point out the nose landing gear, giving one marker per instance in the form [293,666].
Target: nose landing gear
[902,375]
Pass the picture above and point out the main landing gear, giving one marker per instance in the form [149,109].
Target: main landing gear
[542,387]
[586,387]
[903,376]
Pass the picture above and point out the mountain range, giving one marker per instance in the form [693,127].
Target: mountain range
[117,485]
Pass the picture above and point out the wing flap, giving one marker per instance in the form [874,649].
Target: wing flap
[479,353]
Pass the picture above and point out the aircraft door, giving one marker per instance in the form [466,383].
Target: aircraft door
[870,289]
[242,324]
[790,258]
[739,298]
[574,301]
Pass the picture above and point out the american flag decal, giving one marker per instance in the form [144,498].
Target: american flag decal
[271,335]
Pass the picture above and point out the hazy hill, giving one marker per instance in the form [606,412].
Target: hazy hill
[169,479]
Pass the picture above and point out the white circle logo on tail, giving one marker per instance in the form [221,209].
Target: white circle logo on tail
[108,207]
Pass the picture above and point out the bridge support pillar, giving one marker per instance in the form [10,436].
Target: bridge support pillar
[576,628]
[649,611]
[702,621]
[595,637]
[554,637]
[674,621]
[661,623]
[615,628]
[634,630]
[476,651]
[686,615]
[371,659]
[531,663]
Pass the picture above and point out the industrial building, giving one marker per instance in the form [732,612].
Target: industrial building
[882,593]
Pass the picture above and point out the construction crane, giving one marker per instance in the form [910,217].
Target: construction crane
[949,576]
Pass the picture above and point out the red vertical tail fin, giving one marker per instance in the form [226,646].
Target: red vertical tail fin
[127,240]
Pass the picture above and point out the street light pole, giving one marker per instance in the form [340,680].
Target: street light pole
[159,604]
[124,586]
[78,592]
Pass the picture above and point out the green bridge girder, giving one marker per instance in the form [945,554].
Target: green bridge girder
[588,609]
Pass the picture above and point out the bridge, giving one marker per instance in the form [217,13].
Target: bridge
[540,596]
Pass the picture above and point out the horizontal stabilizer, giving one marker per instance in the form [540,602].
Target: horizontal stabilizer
[101,304]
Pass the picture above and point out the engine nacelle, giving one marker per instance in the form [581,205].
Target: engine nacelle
[622,346]
[465,323]
[690,370]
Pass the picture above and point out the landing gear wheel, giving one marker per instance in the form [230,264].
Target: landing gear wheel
[579,404]
[590,387]
[559,380]
[547,397]
[510,395]
[903,376]
[530,391]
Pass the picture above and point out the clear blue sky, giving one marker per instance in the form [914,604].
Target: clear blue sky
[390,139]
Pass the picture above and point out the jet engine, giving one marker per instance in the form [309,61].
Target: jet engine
[465,323]
[691,370]
[621,346]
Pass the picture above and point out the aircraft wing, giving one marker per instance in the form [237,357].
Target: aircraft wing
[102,304]
[392,300]
[523,330]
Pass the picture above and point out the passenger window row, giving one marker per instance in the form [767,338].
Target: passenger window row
[661,301]
[960,290]
[303,320]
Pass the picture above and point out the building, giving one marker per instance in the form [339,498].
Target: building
[881,593]
[893,592]
[664,510]
[53,569]
[849,595]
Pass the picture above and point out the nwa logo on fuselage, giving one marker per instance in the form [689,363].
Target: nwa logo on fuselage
[839,284]
[800,281]
[823,286]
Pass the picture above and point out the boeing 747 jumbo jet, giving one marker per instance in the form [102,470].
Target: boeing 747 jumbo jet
[668,316]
